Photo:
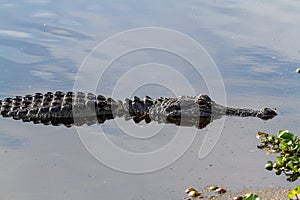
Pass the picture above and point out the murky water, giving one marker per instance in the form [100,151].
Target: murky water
[254,45]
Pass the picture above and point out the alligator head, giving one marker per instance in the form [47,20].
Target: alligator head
[183,106]
[202,106]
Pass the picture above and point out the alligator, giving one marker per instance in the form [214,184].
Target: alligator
[78,108]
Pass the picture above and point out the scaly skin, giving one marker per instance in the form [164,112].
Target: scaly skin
[80,108]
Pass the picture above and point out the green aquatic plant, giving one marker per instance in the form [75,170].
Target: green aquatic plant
[294,193]
[248,197]
[287,146]
[251,197]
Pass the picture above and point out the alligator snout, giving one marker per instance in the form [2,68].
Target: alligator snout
[266,113]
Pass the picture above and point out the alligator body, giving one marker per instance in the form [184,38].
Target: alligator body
[79,108]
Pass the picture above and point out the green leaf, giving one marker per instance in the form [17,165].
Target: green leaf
[287,136]
[295,147]
[293,177]
[279,171]
[279,160]
[251,197]
[269,166]
[294,192]
[292,167]
[287,145]
[284,146]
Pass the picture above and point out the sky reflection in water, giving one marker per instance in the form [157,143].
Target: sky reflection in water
[42,44]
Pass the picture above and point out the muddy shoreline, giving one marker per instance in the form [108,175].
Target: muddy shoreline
[270,193]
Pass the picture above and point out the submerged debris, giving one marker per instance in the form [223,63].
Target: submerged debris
[192,193]
[208,193]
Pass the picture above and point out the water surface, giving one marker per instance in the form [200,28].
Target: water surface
[254,44]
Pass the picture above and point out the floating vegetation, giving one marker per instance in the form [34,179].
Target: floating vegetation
[287,146]
[294,193]
[251,197]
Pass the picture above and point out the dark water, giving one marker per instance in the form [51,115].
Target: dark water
[43,44]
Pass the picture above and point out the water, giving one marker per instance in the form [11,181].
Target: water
[43,43]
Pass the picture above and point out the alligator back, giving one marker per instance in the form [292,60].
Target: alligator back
[58,108]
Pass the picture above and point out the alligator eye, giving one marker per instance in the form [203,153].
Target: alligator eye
[201,102]
[203,99]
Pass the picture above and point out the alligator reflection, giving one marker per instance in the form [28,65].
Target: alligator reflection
[79,108]
[199,122]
